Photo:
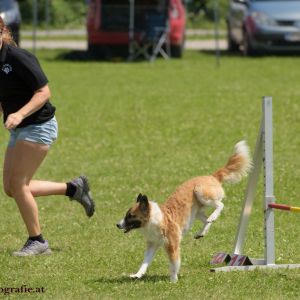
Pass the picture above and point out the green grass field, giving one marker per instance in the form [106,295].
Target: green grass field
[140,127]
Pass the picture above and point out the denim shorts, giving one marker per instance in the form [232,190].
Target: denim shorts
[44,133]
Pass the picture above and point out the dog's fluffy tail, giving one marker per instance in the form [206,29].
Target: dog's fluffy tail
[237,166]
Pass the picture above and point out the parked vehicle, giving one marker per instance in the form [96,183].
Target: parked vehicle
[10,13]
[264,25]
[108,24]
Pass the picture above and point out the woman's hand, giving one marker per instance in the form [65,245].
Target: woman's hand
[13,120]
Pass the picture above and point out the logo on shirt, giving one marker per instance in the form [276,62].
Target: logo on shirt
[7,68]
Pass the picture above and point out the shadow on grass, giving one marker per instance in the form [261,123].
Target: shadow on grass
[226,53]
[126,279]
[81,55]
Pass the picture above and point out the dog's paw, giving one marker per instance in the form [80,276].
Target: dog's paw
[198,236]
[136,276]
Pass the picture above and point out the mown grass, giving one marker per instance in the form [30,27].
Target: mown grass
[55,38]
[140,127]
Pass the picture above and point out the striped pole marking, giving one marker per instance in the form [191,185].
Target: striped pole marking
[284,207]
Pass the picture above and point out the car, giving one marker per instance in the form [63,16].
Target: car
[260,26]
[10,13]
[108,24]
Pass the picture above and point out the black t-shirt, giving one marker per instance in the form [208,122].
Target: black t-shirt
[20,76]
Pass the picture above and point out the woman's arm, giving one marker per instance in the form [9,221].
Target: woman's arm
[39,98]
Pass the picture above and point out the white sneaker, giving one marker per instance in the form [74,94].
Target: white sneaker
[33,248]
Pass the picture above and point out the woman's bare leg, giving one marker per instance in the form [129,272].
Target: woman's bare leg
[23,161]
[47,188]
[37,187]
[20,165]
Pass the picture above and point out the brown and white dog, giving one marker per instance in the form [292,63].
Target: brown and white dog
[164,225]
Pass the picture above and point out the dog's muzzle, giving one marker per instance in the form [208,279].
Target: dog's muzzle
[127,227]
[121,224]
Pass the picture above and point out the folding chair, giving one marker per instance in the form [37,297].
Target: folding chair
[156,36]
[154,39]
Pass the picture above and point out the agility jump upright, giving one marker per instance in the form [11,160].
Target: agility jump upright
[263,155]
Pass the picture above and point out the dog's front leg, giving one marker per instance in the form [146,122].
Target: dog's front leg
[148,257]
[173,251]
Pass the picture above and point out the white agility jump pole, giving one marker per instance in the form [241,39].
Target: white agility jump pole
[263,155]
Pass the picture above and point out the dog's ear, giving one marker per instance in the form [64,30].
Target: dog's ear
[139,197]
[144,204]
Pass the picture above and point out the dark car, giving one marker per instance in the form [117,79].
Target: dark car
[10,12]
[258,26]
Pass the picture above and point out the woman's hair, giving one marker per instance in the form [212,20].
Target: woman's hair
[6,35]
